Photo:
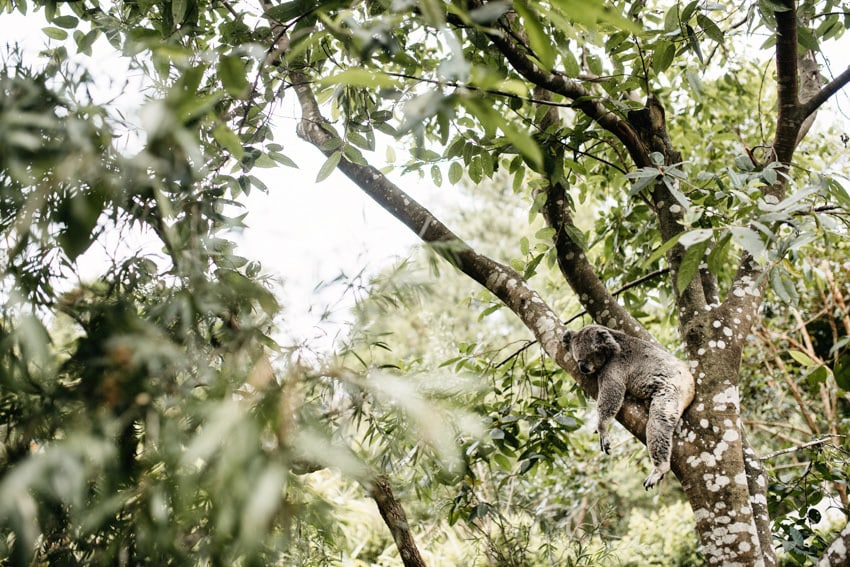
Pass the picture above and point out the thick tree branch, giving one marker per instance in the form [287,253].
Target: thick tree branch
[651,125]
[757,486]
[592,293]
[787,93]
[594,296]
[396,520]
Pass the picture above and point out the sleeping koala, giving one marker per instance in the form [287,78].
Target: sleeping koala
[624,364]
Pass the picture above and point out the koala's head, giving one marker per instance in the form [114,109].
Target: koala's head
[592,347]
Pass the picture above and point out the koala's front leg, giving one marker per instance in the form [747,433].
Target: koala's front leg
[610,400]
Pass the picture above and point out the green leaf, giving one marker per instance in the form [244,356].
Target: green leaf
[455,172]
[643,177]
[690,265]
[694,82]
[85,41]
[541,43]
[662,250]
[692,237]
[839,193]
[193,107]
[524,143]
[806,39]
[232,72]
[783,285]
[329,165]
[531,268]
[710,28]
[802,358]
[290,10]
[592,13]
[488,13]
[229,141]
[55,33]
[79,213]
[67,22]
[662,56]
[436,175]
[818,375]
[694,42]
[671,21]
[546,234]
[283,159]
[719,254]
[361,78]
[178,10]
[841,371]
[748,239]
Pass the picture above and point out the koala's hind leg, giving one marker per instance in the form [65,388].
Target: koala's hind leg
[663,416]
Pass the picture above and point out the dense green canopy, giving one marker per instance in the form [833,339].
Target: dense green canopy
[675,170]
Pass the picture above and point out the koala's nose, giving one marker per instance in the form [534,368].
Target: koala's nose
[585,369]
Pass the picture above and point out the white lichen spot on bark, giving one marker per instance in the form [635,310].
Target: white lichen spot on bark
[726,397]
[719,449]
[496,279]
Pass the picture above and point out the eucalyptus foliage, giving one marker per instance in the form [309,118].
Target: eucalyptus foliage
[663,154]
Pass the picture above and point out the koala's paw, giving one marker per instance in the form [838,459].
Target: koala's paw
[605,443]
[654,477]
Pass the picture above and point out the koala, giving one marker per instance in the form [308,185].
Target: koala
[626,365]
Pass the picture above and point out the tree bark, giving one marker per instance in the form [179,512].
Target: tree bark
[396,520]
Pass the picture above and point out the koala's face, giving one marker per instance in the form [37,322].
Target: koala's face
[591,348]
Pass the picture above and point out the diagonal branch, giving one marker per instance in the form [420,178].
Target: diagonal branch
[577,270]
[825,93]
[396,520]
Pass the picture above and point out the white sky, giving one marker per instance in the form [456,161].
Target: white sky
[301,231]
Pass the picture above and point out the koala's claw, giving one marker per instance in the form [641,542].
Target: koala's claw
[605,444]
[653,479]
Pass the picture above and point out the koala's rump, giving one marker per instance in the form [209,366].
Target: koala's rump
[664,372]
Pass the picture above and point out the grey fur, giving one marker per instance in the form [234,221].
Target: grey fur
[627,365]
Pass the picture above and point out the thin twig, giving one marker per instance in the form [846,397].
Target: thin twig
[820,441]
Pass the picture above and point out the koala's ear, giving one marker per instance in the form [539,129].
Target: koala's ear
[606,339]
[568,337]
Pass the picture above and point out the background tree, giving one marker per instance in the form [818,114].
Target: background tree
[630,130]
